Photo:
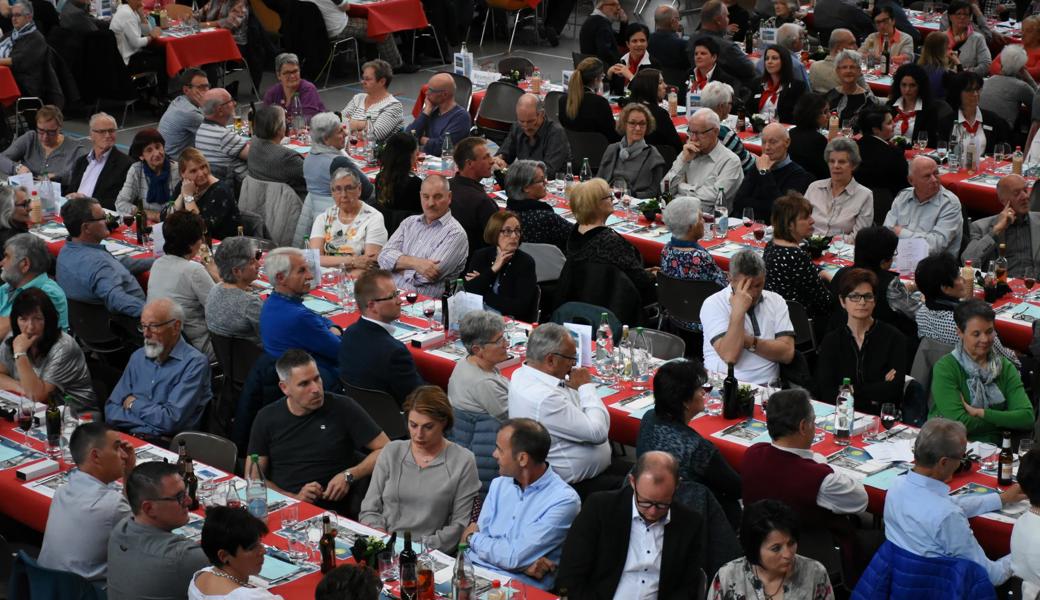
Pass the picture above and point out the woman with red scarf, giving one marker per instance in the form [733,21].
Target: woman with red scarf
[775,93]
[969,123]
[637,37]
[967,44]
[915,110]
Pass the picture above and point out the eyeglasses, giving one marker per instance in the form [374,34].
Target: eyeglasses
[291,72]
[881,21]
[573,359]
[396,294]
[647,504]
[702,132]
[179,498]
[201,87]
[22,204]
[501,341]
[111,131]
[854,297]
[641,124]
[342,189]
[511,232]
[143,327]
[225,103]
[47,132]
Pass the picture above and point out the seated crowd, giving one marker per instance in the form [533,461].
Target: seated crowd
[513,468]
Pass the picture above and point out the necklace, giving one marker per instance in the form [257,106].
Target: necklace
[766,595]
[1035,510]
[226,575]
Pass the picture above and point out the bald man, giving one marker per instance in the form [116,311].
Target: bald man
[774,174]
[822,77]
[615,546]
[666,44]
[225,150]
[533,137]
[440,116]
[1015,226]
[926,210]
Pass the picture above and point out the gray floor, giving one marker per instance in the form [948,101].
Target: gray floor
[343,84]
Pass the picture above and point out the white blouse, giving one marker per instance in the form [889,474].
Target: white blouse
[242,593]
[349,238]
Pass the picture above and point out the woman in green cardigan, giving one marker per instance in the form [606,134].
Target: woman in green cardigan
[977,386]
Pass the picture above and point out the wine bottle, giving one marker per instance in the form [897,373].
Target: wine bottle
[462,580]
[1007,460]
[407,564]
[191,482]
[886,58]
[327,545]
[1001,269]
[730,406]
[182,455]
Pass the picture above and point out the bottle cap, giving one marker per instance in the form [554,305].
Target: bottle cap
[495,584]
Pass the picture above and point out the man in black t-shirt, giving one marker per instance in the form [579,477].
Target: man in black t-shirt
[312,445]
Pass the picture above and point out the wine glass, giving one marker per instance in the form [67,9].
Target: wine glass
[748,218]
[1001,152]
[941,150]
[25,417]
[1029,283]
[314,534]
[411,297]
[429,308]
[620,188]
[889,415]
[759,231]
[846,128]
[921,143]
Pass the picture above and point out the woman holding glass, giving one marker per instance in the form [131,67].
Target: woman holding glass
[975,385]
[869,352]
[151,180]
[425,484]
[633,161]
[502,273]
[840,205]
[350,233]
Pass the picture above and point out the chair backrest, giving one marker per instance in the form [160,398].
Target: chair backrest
[664,345]
[499,102]
[515,63]
[577,57]
[552,105]
[548,260]
[236,357]
[584,313]
[896,573]
[803,331]
[675,77]
[208,449]
[463,90]
[668,153]
[587,144]
[92,324]
[277,203]
[681,299]
[383,409]
[601,284]
[30,581]
[929,351]
[882,204]
[108,77]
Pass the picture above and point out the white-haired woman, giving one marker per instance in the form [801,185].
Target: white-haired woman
[350,233]
[849,97]
[476,385]
[375,103]
[839,204]
[683,257]
[326,156]
[1007,92]
[232,309]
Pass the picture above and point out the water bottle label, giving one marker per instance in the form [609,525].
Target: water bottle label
[258,508]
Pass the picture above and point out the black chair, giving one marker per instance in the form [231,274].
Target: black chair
[668,153]
[804,338]
[236,357]
[681,299]
[603,285]
[577,57]
[584,313]
[499,105]
[587,144]
[109,80]
[515,63]
[552,105]
[675,77]
[463,90]
[92,325]
[383,409]
[882,204]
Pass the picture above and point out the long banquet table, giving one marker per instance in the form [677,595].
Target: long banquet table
[202,48]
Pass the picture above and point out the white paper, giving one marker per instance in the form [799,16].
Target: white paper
[582,335]
[910,251]
[892,451]
[461,304]
[157,240]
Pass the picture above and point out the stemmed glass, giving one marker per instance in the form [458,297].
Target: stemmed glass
[25,417]
[941,150]
[921,143]
[748,220]
[889,415]
[429,308]
[620,188]
[314,534]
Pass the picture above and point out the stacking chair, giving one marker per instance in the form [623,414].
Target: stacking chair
[383,409]
[515,63]
[209,449]
[30,581]
[236,357]
[552,105]
[463,90]
[681,299]
[664,345]
[498,107]
[587,144]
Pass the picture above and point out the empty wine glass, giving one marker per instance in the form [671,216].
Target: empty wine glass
[921,143]
[941,150]
[1001,152]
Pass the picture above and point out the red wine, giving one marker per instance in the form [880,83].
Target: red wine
[128,220]
[429,312]
[888,422]
[618,194]
[1030,282]
[411,297]
[760,233]
[707,387]
[25,423]
[747,222]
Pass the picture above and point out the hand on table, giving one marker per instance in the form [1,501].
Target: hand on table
[337,488]
[539,568]
[155,33]
[1012,494]
[310,492]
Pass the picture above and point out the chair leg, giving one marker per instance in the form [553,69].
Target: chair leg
[436,40]
[483,30]
[357,58]
[516,23]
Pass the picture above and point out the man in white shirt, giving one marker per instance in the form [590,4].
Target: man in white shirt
[705,168]
[86,508]
[569,408]
[133,35]
[927,210]
[747,326]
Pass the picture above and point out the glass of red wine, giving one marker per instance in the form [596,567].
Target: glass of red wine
[1029,283]
[25,417]
[411,297]
[429,308]
[759,231]
[128,219]
[889,415]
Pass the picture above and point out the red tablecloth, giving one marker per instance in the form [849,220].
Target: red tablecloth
[389,16]
[203,48]
[9,91]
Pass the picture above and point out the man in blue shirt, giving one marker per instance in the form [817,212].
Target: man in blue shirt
[528,510]
[440,116]
[284,320]
[87,272]
[166,385]
[25,266]
[923,518]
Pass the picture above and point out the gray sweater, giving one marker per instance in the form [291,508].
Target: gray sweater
[269,161]
[974,54]
[434,501]
[642,171]
[475,390]
[1004,95]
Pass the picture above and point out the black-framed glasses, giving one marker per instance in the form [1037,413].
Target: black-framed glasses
[510,232]
[573,359]
[22,204]
[143,327]
[95,219]
[501,341]
[648,504]
[396,294]
[854,297]
[48,132]
[179,497]
[702,132]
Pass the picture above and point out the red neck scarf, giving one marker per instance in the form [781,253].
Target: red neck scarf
[903,118]
[633,64]
[770,92]
[702,80]
[971,128]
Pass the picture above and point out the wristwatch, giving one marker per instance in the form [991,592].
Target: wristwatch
[18,355]
[763,171]
[349,477]
[754,345]
[188,199]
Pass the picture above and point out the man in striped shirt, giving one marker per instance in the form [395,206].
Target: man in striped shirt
[225,150]
[427,249]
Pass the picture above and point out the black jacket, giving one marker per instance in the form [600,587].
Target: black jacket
[997,130]
[371,358]
[664,133]
[76,17]
[596,547]
[471,207]
[760,191]
[881,166]
[597,37]
[517,283]
[806,149]
[884,349]
[669,50]
[926,120]
[109,181]
[594,114]
[787,97]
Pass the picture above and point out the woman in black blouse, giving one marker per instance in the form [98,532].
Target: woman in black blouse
[592,241]
[502,273]
[397,187]
[582,108]
[916,111]
[790,271]
[203,194]
[807,143]
[525,189]
[648,88]
[777,91]
[848,98]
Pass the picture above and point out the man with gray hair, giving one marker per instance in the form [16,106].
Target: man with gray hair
[166,384]
[285,323]
[534,137]
[225,150]
[747,326]
[719,97]
[552,389]
[715,23]
[25,266]
[775,174]
[789,37]
[822,76]
[101,172]
[705,168]
[927,210]
[666,43]
[597,36]
[922,517]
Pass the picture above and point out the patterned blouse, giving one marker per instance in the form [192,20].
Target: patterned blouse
[791,273]
[349,238]
[688,260]
[540,223]
[736,580]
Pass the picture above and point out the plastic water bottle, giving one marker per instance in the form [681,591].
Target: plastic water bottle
[721,220]
[256,491]
[370,142]
[844,413]
[605,349]
[623,358]
[641,353]
[568,179]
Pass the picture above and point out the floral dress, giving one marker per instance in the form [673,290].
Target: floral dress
[736,580]
[683,259]
[349,238]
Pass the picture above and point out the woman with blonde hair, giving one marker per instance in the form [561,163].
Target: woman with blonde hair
[632,160]
[592,241]
[582,108]
[936,60]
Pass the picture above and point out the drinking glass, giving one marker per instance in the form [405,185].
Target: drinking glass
[429,310]
[1024,446]
[387,565]
[921,143]
[873,432]
[989,459]
[747,219]
[314,534]
[846,128]
[941,149]
[621,197]
[889,415]
[1001,152]
[25,417]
